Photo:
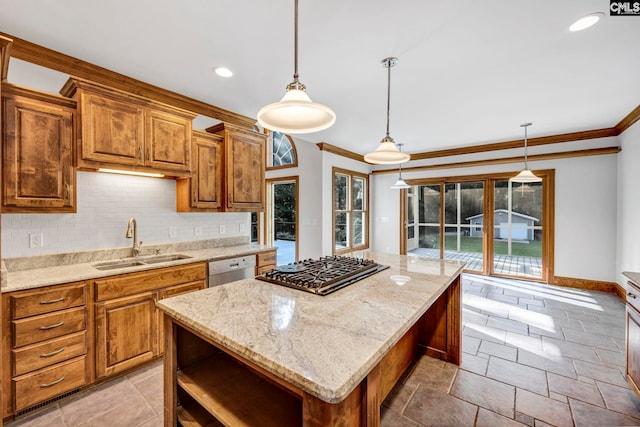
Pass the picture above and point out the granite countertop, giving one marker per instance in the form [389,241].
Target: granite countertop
[33,272]
[635,277]
[325,345]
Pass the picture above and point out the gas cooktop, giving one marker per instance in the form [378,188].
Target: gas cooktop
[324,275]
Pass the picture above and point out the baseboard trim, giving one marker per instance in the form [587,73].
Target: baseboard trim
[592,285]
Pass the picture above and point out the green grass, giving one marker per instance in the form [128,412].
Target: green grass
[474,244]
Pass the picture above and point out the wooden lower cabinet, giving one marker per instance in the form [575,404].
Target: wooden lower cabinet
[126,333]
[61,338]
[265,261]
[633,336]
[45,344]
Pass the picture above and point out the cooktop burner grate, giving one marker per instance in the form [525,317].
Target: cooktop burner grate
[324,275]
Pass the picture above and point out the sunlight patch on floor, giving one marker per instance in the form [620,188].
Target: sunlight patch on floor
[539,320]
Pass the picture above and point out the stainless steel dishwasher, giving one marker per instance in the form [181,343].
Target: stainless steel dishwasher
[231,269]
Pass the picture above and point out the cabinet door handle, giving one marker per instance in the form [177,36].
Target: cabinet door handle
[148,153]
[630,295]
[140,152]
[67,192]
[51,301]
[44,328]
[59,380]
[194,197]
[53,353]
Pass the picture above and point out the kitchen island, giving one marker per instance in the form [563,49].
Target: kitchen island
[254,353]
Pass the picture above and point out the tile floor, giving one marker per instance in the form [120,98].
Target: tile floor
[533,355]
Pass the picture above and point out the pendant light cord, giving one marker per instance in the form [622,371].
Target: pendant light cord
[526,125]
[295,42]
[388,91]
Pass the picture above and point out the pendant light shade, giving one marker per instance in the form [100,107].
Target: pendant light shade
[387,153]
[525,175]
[295,112]
[400,184]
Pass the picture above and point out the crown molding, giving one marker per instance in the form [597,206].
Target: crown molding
[5,53]
[323,146]
[48,58]
[518,143]
[629,120]
[505,160]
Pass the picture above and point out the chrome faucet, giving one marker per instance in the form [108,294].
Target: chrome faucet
[135,250]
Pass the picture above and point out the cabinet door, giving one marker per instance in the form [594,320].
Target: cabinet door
[633,348]
[168,141]
[245,152]
[207,176]
[126,333]
[112,131]
[37,153]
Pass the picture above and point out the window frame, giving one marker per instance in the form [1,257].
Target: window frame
[350,211]
[269,151]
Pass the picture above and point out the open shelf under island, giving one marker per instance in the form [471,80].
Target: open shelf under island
[250,353]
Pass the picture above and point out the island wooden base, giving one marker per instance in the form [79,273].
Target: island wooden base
[207,385]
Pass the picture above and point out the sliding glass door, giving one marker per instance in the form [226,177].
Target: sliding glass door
[495,226]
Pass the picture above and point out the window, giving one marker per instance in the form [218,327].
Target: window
[350,211]
[281,152]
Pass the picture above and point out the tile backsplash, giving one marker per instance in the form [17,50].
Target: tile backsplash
[105,204]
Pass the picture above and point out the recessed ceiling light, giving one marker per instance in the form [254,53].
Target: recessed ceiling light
[586,21]
[223,72]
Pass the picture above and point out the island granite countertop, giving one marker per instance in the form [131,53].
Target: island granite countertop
[325,345]
[33,272]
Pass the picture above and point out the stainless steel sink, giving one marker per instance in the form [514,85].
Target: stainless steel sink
[112,265]
[153,259]
[163,258]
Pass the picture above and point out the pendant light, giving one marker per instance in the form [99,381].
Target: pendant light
[525,175]
[400,183]
[296,113]
[387,153]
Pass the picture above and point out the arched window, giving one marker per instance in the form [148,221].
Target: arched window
[282,152]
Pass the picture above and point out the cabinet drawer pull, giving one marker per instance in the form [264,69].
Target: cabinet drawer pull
[51,301]
[59,380]
[630,295]
[53,353]
[44,328]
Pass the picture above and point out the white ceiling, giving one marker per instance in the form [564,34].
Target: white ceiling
[469,72]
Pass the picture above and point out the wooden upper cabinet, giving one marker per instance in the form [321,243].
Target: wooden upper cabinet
[244,167]
[125,131]
[168,141]
[203,191]
[112,131]
[37,152]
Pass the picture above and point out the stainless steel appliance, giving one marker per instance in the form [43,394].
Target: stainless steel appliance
[231,269]
[322,276]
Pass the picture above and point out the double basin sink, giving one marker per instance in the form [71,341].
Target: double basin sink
[124,263]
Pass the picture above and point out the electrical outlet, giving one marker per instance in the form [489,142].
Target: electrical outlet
[222,229]
[197,231]
[35,240]
[242,227]
[173,232]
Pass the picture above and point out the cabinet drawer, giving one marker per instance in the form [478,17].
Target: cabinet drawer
[266,258]
[633,295]
[45,301]
[37,356]
[49,382]
[39,328]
